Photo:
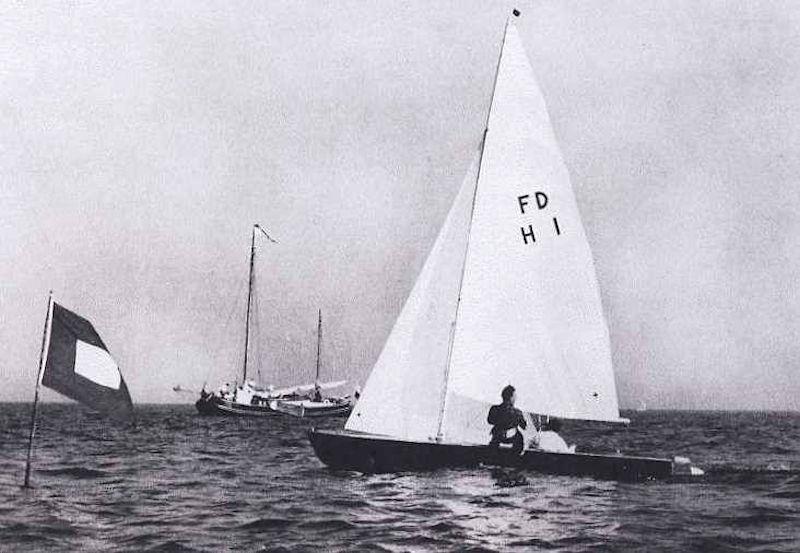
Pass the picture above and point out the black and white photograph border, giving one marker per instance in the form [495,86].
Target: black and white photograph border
[463,276]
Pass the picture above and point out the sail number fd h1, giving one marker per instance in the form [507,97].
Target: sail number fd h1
[528,232]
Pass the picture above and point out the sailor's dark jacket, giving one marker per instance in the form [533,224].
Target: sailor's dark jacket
[504,417]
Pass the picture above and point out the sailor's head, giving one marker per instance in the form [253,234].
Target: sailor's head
[509,394]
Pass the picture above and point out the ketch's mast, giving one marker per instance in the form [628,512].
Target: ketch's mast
[319,342]
[250,293]
[249,300]
[443,400]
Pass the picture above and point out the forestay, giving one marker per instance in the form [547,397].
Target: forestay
[402,396]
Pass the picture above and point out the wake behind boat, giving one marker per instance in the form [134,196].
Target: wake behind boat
[508,294]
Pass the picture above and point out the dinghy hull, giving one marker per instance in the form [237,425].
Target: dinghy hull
[374,454]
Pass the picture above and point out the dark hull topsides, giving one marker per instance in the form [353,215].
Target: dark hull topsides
[331,410]
[374,454]
[213,405]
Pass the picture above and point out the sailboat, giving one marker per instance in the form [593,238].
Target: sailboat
[250,398]
[507,295]
[316,405]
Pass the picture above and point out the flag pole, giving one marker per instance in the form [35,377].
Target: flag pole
[35,411]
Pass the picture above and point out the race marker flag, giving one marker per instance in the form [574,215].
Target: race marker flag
[80,367]
[75,362]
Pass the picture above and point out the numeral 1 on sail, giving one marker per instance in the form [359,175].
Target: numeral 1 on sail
[540,201]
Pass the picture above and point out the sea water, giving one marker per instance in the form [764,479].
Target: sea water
[180,482]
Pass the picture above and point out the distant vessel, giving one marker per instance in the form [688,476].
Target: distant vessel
[507,295]
[250,398]
[316,405]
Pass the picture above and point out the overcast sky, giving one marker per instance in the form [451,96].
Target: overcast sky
[139,141]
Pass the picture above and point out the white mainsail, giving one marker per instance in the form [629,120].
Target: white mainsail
[529,312]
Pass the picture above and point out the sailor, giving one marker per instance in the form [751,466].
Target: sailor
[506,420]
[317,393]
[548,439]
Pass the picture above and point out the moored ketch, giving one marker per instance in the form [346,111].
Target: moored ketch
[316,405]
[250,398]
[508,294]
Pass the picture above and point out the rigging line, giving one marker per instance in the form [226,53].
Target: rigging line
[443,400]
[255,326]
[226,325]
[251,296]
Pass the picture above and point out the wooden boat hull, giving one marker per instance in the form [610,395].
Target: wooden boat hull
[313,409]
[374,454]
[215,406]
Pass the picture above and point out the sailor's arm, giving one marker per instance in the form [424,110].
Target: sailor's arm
[521,422]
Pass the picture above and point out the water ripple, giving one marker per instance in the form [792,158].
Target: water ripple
[183,483]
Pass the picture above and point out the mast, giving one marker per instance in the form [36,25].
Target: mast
[250,292]
[319,342]
[35,411]
[443,399]
[249,296]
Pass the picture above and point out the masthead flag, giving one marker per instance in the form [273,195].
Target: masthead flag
[80,367]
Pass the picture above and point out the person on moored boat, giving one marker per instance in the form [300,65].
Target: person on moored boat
[317,394]
[506,421]
[548,439]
